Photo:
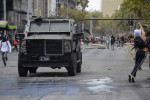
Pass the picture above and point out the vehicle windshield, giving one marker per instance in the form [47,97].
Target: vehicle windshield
[50,26]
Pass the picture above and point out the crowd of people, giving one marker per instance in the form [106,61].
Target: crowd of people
[107,40]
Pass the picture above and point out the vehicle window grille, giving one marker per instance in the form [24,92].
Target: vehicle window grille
[35,47]
[54,47]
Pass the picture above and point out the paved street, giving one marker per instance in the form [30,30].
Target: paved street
[104,77]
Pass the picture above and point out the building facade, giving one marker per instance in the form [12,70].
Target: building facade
[39,8]
[18,12]
[9,7]
[108,7]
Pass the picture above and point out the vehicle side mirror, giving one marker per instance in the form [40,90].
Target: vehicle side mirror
[78,36]
[19,36]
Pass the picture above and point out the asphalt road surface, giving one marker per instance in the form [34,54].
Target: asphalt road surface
[104,76]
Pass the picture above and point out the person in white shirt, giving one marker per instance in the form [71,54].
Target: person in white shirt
[5,47]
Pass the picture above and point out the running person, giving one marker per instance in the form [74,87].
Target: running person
[5,47]
[141,53]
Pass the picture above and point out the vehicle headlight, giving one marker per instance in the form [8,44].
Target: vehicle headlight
[67,46]
[23,46]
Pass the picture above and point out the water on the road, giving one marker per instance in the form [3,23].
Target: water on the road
[39,87]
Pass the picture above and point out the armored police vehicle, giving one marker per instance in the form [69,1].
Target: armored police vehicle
[51,43]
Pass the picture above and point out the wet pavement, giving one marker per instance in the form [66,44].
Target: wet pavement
[39,87]
[104,76]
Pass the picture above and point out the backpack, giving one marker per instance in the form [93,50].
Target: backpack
[112,39]
[139,43]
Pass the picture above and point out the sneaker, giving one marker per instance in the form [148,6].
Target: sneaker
[133,80]
[130,79]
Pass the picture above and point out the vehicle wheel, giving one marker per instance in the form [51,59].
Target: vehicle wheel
[73,65]
[80,63]
[22,71]
[32,70]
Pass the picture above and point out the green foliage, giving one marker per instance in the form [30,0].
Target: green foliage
[74,14]
[77,15]
[84,3]
[141,7]
[137,9]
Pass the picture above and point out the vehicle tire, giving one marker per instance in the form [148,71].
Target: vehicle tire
[32,70]
[73,65]
[80,63]
[22,71]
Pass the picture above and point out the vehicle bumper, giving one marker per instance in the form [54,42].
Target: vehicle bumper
[54,61]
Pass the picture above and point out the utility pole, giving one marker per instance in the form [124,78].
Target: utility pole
[37,5]
[48,8]
[4,2]
[57,7]
[28,11]
[4,13]
[130,24]
[82,26]
[33,12]
[91,25]
[135,26]
[67,8]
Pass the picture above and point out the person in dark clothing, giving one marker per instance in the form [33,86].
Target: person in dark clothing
[122,41]
[140,53]
[112,42]
[148,44]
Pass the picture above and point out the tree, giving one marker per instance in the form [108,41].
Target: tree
[137,8]
[84,3]
[141,7]
[76,15]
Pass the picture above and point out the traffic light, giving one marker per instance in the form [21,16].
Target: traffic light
[130,22]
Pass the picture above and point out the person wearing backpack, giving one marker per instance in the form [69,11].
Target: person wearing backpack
[5,47]
[141,51]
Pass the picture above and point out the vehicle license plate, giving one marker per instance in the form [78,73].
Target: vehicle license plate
[44,58]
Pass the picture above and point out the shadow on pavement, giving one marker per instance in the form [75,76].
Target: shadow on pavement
[49,74]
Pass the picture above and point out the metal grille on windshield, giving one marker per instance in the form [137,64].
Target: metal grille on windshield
[44,47]
[35,47]
[54,47]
